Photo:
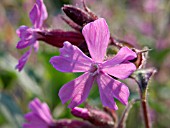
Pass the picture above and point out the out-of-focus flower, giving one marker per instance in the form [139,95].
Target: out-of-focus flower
[162,44]
[28,35]
[151,6]
[146,28]
[40,115]
[72,59]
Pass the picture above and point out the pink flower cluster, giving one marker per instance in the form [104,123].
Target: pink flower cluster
[27,35]
[95,67]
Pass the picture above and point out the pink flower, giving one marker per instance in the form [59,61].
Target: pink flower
[146,28]
[40,115]
[27,35]
[96,68]
[151,6]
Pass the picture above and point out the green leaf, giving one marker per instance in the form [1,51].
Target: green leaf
[7,78]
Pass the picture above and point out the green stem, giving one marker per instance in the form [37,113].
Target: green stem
[142,78]
[122,122]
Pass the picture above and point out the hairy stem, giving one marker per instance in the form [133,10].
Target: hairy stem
[142,78]
[122,122]
[145,110]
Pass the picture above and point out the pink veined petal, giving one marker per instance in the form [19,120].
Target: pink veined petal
[41,109]
[47,112]
[110,88]
[25,33]
[33,118]
[121,71]
[34,15]
[21,30]
[71,59]
[25,43]
[22,61]
[77,90]
[97,37]
[43,9]
[35,105]
[123,55]
[22,44]
[44,13]
[34,125]
[107,99]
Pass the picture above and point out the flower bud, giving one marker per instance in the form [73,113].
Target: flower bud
[96,117]
[67,123]
[77,15]
[57,37]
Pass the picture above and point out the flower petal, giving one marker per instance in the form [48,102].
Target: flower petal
[22,29]
[43,11]
[123,55]
[71,59]
[22,61]
[33,118]
[35,125]
[25,43]
[35,15]
[97,38]
[121,71]
[41,110]
[110,88]
[77,90]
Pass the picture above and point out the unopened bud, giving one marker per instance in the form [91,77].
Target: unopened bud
[68,123]
[57,37]
[142,77]
[77,15]
[96,117]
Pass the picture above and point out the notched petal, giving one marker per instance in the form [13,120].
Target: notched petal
[71,59]
[97,37]
[121,71]
[125,54]
[77,90]
[110,88]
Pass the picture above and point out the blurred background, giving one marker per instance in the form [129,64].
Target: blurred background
[142,23]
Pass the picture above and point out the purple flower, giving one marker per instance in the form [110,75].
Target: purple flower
[40,115]
[27,35]
[96,68]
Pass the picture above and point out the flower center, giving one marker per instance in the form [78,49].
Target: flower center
[95,69]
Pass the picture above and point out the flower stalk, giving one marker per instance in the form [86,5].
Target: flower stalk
[122,122]
[142,78]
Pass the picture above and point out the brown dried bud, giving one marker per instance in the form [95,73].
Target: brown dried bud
[57,37]
[77,15]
